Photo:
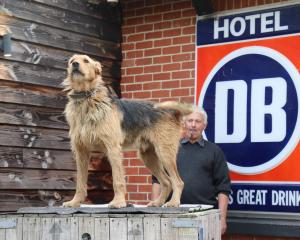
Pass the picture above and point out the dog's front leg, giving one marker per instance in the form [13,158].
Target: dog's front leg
[82,160]
[114,157]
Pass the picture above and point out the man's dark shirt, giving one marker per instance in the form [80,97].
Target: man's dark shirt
[203,169]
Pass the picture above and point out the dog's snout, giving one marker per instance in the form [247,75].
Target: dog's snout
[75,65]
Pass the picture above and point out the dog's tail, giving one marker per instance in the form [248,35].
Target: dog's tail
[182,108]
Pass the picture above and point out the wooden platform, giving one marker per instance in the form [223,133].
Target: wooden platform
[129,223]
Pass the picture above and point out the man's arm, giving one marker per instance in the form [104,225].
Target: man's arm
[155,191]
[223,204]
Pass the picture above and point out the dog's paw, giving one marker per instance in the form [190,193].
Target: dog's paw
[117,204]
[154,204]
[72,203]
[172,204]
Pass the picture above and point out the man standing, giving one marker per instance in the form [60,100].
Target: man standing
[202,167]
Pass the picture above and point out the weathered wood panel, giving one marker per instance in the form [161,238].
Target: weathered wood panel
[11,178]
[41,34]
[35,96]
[34,74]
[103,11]
[54,58]
[33,137]
[18,114]
[12,157]
[12,200]
[59,18]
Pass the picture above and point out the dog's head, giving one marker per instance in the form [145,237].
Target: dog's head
[84,73]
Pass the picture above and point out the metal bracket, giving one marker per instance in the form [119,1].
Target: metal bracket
[8,223]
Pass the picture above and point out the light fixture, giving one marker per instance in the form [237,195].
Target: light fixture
[5,44]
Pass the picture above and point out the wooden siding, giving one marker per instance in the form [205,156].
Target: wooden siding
[36,165]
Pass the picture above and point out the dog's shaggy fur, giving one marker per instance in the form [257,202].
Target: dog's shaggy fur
[101,122]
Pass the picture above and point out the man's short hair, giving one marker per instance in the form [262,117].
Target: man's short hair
[201,111]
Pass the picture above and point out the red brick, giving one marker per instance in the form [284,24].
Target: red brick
[260,2]
[189,13]
[181,22]
[134,54]
[189,99]
[131,188]
[128,30]
[134,4]
[143,45]
[134,87]
[144,28]
[151,85]
[188,48]
[244,4]
[153,35]
[134,70]
[127,95]
[135,162]
[170,99]
[127,63]
[145,188]
[171,84]
[181,57]
[127,46]
[142,95]
[182,40]
[152,52]
[182,5]
[172,15]
[143,61]
[144,11]
[180,92]
[187,83]
[153,68]
[134,21]
[129,154]
[137,179]
[125,162]
[171,50]
[188,65]
[138,196]
[161,76]
[162,25]
[144,78]
[181,74]
[162,8]
[171,67]
[144,171]
[153,18]
[172,32]
[136,37]
[131,171]
[152,2]
[161,59]
[127,79]
[161,93]
[129,13]
[162,42]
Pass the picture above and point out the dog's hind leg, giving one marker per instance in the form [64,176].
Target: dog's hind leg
[82,157]
[151,161]
[167,154]
[114,157]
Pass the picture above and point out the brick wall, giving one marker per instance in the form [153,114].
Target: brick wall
[159,64]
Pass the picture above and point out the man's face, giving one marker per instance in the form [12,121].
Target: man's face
[195,125]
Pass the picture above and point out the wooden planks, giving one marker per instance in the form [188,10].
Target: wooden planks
[36,165]
[112,226]
[59,18]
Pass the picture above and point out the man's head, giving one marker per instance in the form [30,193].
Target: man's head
[195,123]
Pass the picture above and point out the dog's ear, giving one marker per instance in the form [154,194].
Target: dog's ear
[98,68]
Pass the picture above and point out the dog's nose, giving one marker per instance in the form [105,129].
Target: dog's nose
[75,65]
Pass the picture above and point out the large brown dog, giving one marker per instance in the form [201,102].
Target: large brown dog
[101,122]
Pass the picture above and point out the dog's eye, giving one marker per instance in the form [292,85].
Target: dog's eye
[86,61]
